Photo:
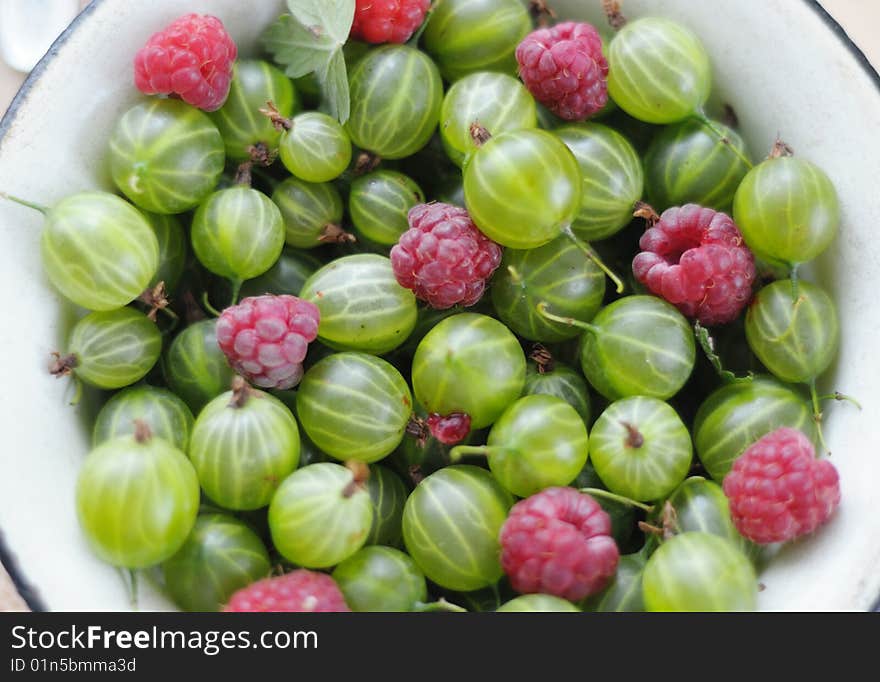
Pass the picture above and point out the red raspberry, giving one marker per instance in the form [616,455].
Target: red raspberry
[696,259]
[387,21]
[565,70]
[558,542]
[443,257]
[778,490]
[451,429]
[265,338]
[192,57]
[300,591]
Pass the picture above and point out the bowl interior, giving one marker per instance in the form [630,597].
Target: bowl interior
[53,142]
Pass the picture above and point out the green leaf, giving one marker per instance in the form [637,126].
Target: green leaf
[334,83]
[328,20]
[707,343]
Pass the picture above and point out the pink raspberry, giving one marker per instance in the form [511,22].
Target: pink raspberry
[192,57]
[696,259]
[300,591]
[558,542]
[387,21]
[443,257]
[565,70]
[778,490]
[265,338]
[451,429]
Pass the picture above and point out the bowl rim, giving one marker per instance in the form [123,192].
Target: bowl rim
[28,592]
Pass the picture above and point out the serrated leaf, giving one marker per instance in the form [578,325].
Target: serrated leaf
[707,343]
[334,86]
[329,19]
[295,47]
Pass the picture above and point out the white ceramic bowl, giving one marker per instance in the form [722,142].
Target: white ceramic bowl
[785,66]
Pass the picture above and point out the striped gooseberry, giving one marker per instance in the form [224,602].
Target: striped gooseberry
[658,70]
[98,250]
[312,213]
[496,101]
[612,177]
[739,413]
[237,233]
[640,448]
[171,238]
[381,579]
[379,204]
[363,308]
[559,380]
[795,338]
[254,82]
[166,156]
[451,524]
[538,442]
[287,276]
[320,516]
[396,94]
[559,273]
[315,147]
[465,36]
[111,349]
[354,406]
[638,345]
[535,603]
[137,498]
[388,495]
[523,188]
[787,209]
[469,363]
[195,367]
[698,571]
[165,413]
[243,444]
[624,592]
[690,163]
[220,556]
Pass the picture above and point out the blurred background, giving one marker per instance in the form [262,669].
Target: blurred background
[28,28]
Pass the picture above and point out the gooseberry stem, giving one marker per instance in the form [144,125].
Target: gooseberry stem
[817,415]
[841,397]
[570,321]
[441,605]
[593,256]
[794,281]
[211,309]
[598,492]
[236,290]
[29,204]
[612,11]
[722,138]
[461,451]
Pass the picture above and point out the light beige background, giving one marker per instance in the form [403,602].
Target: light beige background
[860,19]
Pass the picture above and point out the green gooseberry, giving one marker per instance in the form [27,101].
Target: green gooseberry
[496,101]
[220,556]
[558,273]
[697,571]
[243,444]
[195,367]
[451,523]
[612,178]
[796,338]
[381,579]
[465,36]
[624,593]
[171,238]
[523,188]
[166,156]
[137,498]
[238,233]
[320,516]
[354,406]
[379,204]
[537,603]
[396,94]
[315,147]
[312,213]
[787,209]
[111,349]
[363,308]
[254,83]
[538,442]
[739,413]
[165,413]
[658,70]
[388,495]
[640,448]
[561,381]
[469,363]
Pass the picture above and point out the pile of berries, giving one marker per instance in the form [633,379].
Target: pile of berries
[416,345]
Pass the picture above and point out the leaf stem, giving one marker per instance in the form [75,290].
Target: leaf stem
[817,415]
[842,397]
[461,451]
[598,492]
[593,256]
